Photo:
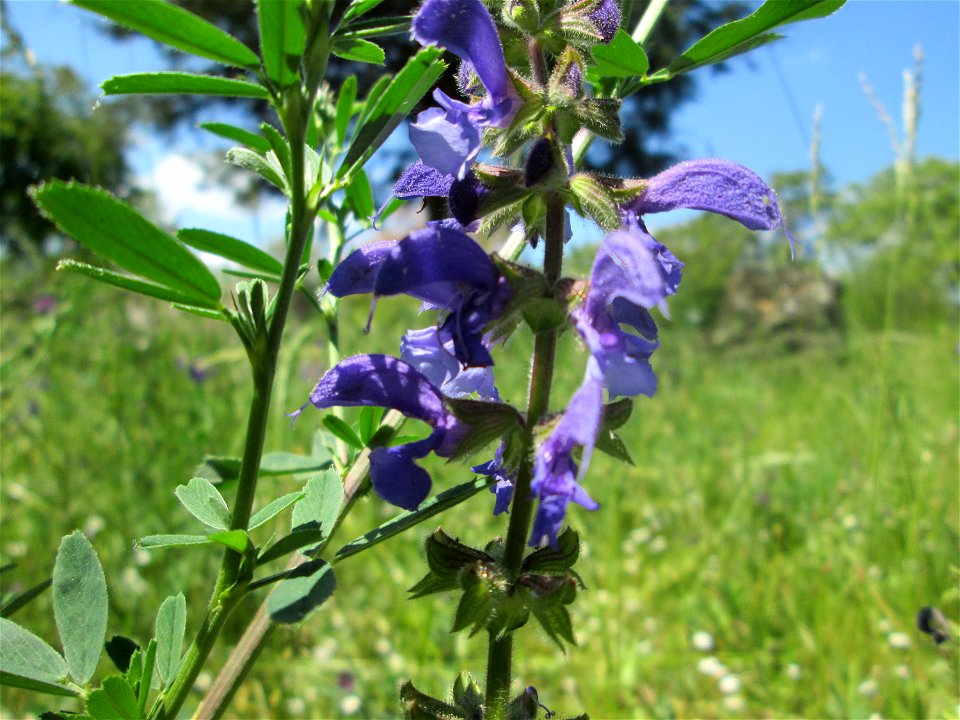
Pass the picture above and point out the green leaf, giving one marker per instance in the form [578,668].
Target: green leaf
[18,600]
[157,541]
[358,8]
[29,683]
[114,701]
[24,657]
[80,605]
[368,421]
[392,106]
[237,134]
[116,231]
[271,510]
[231,249]
[125,282]
[360,196]
[320,506]
[427,509]
[610,443]
[266,166]
[343,431]
[181,83]
[174,26]
[352,48]
[294,599]
[149,663]
[595,201]
[741,35]
[233,539]
[622,57]
[170,628]
[475,604]
[487,421]
[377,27]
[273,463]
[282,39]
[204,502]
[345,100]
[300,537]
[280,147]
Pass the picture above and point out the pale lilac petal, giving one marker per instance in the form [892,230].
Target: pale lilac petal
[431,352]
[445,140]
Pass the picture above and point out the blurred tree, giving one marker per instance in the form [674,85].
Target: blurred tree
[646,114]
[49,128]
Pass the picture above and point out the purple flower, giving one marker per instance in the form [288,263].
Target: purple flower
[606,18]
[384,381]
[555,472]
[631,273]
[505,478]
[447,138]
[717,186]
[431,351]
[441,266]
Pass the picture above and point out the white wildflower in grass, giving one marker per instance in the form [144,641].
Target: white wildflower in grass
[898,640]
[884,626]
[650,624]
[729,684]
[640,535]
[794,671]
[711,667]
[133,582]
[644,647]
[875,572]
[141,557]
[902,672]
[733,703]
[702,641]
[868,688]
[324,651]
[876,716]
[382,646]
[93,525]
[296,706]
[850,522]
[658,545]
[631,566]
[350,704]
[203,682]
[395,662]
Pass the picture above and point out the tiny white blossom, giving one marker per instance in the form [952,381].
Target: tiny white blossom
[794,671]
[868,688]
[899,640]
[902,671]
[349,705]
[702,641]
[734,703]
[711,667]
[729,684]
[296,706]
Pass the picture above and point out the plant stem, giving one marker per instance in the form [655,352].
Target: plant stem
[229,588]
[500,650]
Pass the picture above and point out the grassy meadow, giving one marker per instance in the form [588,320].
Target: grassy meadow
[787,515]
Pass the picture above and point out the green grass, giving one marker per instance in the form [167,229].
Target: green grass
[798,508]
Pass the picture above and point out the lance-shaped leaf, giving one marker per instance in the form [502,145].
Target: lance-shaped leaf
[181,83]
[172,25]
[266,166]
[237,134]
[746,34]
[170,627]
[273,463]
[28,662]
[428,508]
[230,248]
[272,509]
[345,99]
[204,502]
[295,598]
[282,39]
[358,8]
[80,605]
[157,541]
[392,106]
[359,50]
[299,538]
[119,233]
[320,505]
[125,282]
[114,701]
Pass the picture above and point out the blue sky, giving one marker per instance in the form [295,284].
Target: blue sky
[759,114]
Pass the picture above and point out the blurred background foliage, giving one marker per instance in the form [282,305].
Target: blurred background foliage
[793,504]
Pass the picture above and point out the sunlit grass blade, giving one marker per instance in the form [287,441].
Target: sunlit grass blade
[126,282]
[172,25]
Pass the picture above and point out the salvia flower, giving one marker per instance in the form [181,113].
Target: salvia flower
[505,477]
[555,471]
[631,273]
[605,17]
[447,138]
[431,351]
[384,381]
[441,266]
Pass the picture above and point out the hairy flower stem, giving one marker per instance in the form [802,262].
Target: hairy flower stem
[500,650]
[230,586]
